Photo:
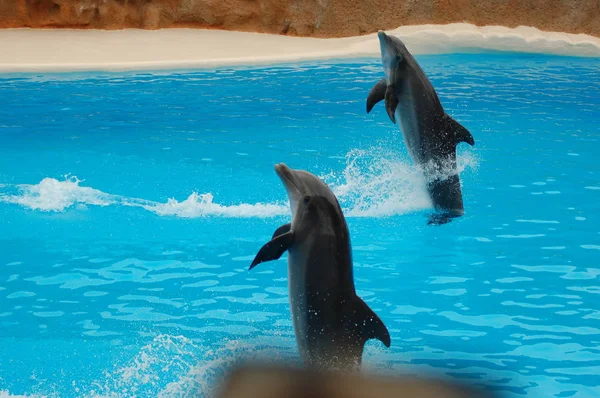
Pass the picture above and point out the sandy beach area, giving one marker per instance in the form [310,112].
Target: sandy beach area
[56,50]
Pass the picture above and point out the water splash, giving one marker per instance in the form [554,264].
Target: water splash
[201,205]
[376,182]
[445,168]
[7,394]
[166,359]
[54,195]
[175,366]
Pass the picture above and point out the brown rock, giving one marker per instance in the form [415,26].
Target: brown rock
[151,17]
[317,18]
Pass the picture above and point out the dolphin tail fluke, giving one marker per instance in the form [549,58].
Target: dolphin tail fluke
[461,134]
[376,94]
[441,218]
[369,324]
[274,249]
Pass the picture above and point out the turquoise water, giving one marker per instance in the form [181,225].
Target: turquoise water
[132,205]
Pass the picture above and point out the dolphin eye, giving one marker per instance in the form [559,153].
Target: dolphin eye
[306,200]
[398,58]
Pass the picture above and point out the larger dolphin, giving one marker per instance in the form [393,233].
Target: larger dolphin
[331,322]
[430,134]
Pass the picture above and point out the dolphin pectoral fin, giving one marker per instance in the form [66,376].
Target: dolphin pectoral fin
[282,230]
[461,134]
[391,102]
[273,249]
[368,323]
[376,94]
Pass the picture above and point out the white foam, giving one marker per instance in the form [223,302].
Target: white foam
[201,205]
[7,394]
[72,49]
[53,195]
[375,182]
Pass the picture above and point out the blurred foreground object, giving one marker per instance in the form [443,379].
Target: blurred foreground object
[260,381]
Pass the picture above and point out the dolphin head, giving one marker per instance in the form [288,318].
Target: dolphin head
[393,53]
[311,200]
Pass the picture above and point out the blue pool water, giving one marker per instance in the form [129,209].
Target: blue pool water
[132,205]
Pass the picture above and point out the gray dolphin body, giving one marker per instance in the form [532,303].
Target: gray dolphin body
[331,322]
[430,134]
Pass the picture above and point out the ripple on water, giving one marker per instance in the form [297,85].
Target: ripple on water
[528,305]
[204,283]
[153,300]
[48,314]
[453,333]
[499,321]
[447,279]
[227,289]
[20,294]
[586,289]
[521,236]
[451,292]
[514,279]
[590,247]
[539,221]
[94,293]
[546,268]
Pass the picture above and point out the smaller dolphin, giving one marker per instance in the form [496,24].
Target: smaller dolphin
[430,134]
[331,323]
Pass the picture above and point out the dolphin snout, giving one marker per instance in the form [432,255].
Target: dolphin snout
[290,181]
[285,174]
[282,168]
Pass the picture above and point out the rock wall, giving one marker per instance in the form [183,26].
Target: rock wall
[316,18]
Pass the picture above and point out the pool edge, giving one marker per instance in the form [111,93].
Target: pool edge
[71,50]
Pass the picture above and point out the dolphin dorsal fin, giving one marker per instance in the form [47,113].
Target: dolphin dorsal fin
[368,323]
[461,134]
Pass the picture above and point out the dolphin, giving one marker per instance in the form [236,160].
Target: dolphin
[430,134]
[331,322]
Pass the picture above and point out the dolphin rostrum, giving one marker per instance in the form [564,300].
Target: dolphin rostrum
[330,321]
[430,134]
